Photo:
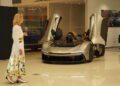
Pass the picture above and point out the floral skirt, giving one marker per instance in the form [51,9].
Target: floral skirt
[16,66]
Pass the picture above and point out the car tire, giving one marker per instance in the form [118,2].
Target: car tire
[91,53]
[100,51]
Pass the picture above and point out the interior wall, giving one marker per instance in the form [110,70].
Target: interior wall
[73,16]
[95,6]
[77,17]
[5,2]
[27,1]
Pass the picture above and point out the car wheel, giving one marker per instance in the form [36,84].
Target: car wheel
[90,53]
[99,51]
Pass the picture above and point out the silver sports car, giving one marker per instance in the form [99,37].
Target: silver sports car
[60,51]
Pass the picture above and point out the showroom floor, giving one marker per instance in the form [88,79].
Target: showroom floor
[103,71]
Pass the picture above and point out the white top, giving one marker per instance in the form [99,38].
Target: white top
[18,41]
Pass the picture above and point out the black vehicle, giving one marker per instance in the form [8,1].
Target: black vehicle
[33,36]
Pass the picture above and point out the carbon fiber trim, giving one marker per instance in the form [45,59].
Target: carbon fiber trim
[64,59]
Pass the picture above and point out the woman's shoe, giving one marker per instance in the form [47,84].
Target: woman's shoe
[21,81]
[11,81]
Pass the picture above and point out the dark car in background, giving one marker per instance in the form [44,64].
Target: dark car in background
[33,36]
[34,26]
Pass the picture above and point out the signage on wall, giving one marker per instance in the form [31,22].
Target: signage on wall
[110,13]
[113,17]
[16,1]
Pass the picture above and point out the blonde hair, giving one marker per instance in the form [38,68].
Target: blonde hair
[18,19]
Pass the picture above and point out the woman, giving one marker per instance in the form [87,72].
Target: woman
[16,65]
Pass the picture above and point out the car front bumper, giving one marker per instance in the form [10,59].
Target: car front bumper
[63,58]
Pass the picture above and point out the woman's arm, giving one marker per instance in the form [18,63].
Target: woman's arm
[18,39]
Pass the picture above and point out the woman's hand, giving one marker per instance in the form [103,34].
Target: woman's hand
[20,52]
[25,34]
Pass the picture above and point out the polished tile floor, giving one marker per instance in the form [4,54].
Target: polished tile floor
[104,71]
